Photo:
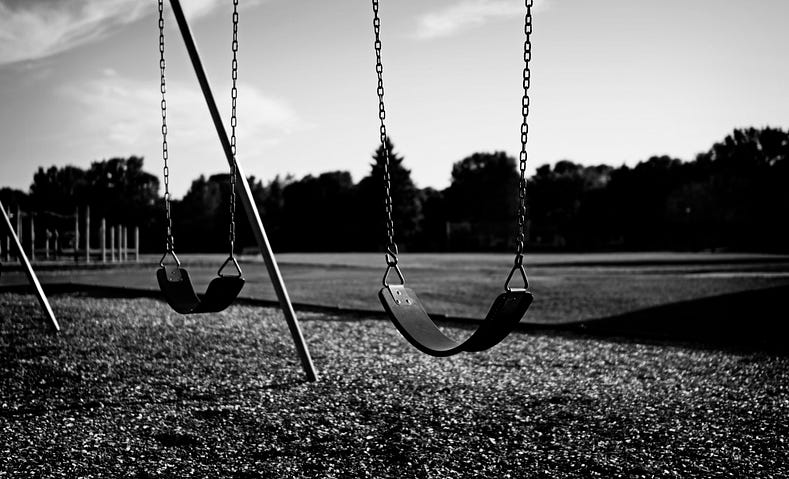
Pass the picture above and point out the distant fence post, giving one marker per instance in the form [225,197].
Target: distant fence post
[46,245]
[76,233]
[32,238]
[118,242]
[87,234]
[19,224]
[112,244]
[8,241]
[125,243]
[3,247]
[136,244]
[103,240]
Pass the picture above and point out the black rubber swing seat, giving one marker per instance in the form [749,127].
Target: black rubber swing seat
[409,316]
[176,286]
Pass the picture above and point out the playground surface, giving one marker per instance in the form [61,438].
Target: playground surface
[130,389]
[627,365]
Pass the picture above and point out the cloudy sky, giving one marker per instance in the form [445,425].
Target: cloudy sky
[614,81]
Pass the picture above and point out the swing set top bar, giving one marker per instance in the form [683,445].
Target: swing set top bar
[246,197]
[31,275]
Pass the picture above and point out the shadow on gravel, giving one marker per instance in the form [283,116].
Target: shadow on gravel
[752,320]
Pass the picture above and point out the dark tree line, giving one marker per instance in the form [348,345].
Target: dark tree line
[116,189]
[734,196]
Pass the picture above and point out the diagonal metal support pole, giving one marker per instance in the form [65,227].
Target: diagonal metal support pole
[246,198]
[31,275]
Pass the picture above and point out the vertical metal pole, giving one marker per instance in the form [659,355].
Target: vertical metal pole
[246,198]
[19,224]
[31,275]
[57,245]
[87,234]
[136,244]
[118,242]
[32,238]
[112,244]
[124,243]
[46,245]
[8,242]
[76,233]
[103,240]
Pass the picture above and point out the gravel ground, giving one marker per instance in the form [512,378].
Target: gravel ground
[130,389]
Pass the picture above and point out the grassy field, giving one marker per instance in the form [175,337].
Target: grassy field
[567,287]
[130,389]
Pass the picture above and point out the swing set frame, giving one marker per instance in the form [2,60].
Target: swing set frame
[245,194]
[54,326]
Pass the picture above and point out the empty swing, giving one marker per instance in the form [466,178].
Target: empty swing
[175,284]
[400,302]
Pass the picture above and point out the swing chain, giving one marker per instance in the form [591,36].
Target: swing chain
[165,154]
[520,237]
[391,246]
[233,123]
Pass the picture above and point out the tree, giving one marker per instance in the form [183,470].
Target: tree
[638,196]
[58,189]
[483,199]
[200,219]
[568,205]
[740,196]
[406,208]
[484,187]
[316,213]
[119,188]
[270,200]
[11,197]
[116,189]
[433,228]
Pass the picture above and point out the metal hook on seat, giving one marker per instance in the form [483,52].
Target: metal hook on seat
[391,259]
[229,259]
[171,252]
[399,274]
[517,266]
[391,255]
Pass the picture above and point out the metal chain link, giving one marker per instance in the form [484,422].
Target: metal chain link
[520,237]
[233,123]
[391,246]
[165,155]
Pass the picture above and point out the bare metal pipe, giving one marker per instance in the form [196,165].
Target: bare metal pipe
[246,198]
[31,275]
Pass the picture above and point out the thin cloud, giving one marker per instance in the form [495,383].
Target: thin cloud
[466,15]
[37,29]
[125,114]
